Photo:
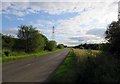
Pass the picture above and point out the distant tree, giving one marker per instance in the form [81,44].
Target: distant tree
[85,46]
[30,40]
[65,46]
[113,37]
[81,47]
[51,45]
[104,46]
[88,46]
[60,46]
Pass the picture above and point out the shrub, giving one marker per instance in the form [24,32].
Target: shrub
[7,53]
[60,46]
[51,45]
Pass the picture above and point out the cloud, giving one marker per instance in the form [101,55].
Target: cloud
[42,23]
[59,1]
[10,31]
[15,8]
[15,0]
[97,32]
[88,39]
[87,27]
[24,8]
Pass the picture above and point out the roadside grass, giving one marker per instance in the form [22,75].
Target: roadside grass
[21,55]
[67,71]
[88,66]
[97,66]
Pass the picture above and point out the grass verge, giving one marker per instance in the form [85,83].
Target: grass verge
[88,66]
[26,55]
[66,72]
[97,66]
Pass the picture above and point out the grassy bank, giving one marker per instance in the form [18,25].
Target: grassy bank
[21,55]
[88,66]
[66,72]
[97,66]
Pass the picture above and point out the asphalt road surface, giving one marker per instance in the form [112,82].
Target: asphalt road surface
[34,69]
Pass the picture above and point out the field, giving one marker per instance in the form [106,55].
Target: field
[88,66]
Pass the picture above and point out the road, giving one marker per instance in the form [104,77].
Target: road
[34,69]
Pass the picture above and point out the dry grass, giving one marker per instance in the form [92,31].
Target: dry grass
[96,66]
[82,54]
[88,66]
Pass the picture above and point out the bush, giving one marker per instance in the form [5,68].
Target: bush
[51,45]
[7,41]
[60,46]
[7,53]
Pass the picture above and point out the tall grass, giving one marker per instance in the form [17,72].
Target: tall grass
[96,66]
[88,66]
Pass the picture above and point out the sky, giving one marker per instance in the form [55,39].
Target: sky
[74,22]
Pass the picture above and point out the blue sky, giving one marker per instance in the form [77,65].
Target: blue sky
[14,21]
[75,23]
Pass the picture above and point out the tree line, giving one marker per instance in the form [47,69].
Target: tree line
[112,36]
[29,40]
[90,46]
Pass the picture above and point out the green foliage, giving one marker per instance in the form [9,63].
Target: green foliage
[7,53]
[105,47]
[113,36]
[7,41]
[30,40]
[51,45]
[60,46]
[89,46]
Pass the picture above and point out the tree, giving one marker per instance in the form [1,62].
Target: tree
[51,45]
[30,40]
[45,40]
[60,46]
[7,41]
[113,36]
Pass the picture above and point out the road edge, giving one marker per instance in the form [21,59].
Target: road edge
[52,74]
